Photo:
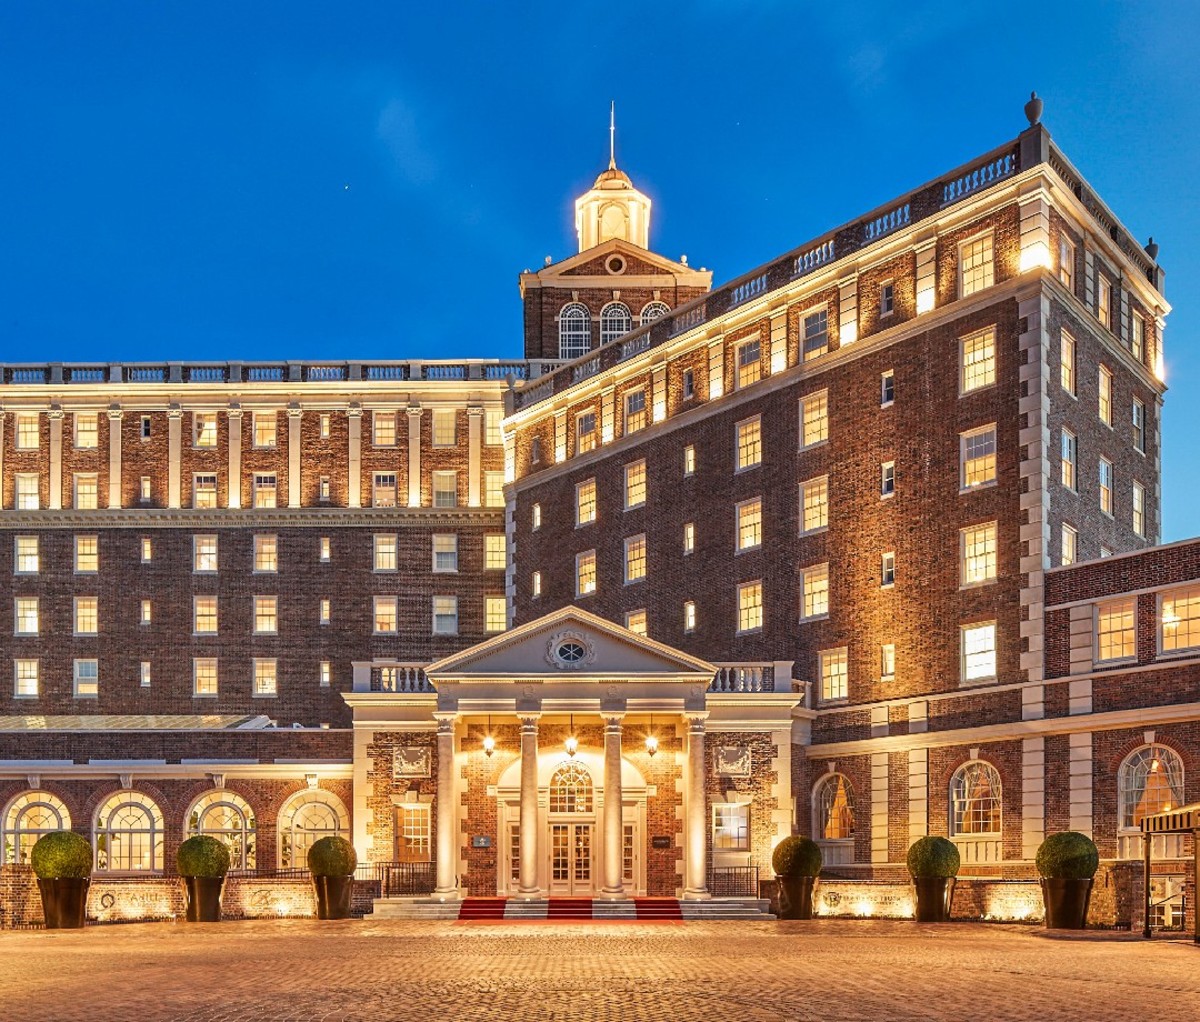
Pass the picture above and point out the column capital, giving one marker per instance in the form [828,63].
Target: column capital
[116,414]
[235,411]
[354,410]
[294,410]
[612,721]
[529,721]
[414,411]
[445,720]
[55,412]
[695,719]
[175,412]
[475,411]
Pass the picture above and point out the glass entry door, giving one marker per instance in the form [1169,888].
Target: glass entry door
[571,858]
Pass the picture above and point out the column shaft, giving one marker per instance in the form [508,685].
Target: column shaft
[696,852]
[114,457]
[528,883]
[447,879]
[613,829]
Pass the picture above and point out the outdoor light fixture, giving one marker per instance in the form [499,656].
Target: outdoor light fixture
[651,741]
[489,743]
[572,743]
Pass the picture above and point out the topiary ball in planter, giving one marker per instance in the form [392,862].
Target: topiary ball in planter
[1068,856]
[933,858]
[332,857]
[202,856]
[796,856]
[62,855]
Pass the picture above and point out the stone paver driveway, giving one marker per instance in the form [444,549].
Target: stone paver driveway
[670,972]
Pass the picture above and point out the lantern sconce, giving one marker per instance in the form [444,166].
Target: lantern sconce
[651,740]
[572,743]
[489,743]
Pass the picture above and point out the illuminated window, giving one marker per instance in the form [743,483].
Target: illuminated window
[814,592]
[535,517]
[323,489]
[615,320]
[445,489]
[977,361]
[25,615]
[413,833]
[977,554]
[689,537]
[383,429]
[307,818]
[204,553]
[87,430]
[749,363]
[264,489]
[585,573]
[1106,395]
[635,411]
[30,815]
[814,504]
[266,615]
[204,615]
[1137,336]
[887,569]
[144,489]
[978,656]
[266,553]
[204,425]
[749,444]
[834,675]
[87,492]
[975,800]
[495,551]
[1149,781]
[978,456]
[750,607]
[28,432]
[635,484]
[653,310]
[495,614]
[1180,617]
[585,502]
[385,552]
[1104,301]
[1106,486]
[689,460]
[144,674]
[1070,544]
[814,419]
[28,491]
[1139,509]
[585,432]
[445,552]
[887,661]
[204,491]
[227,816]
[445,615]
[574,331]
[887,388]
[1066,263]
[25,679]
[383,489]
[1139,426]
[326,419]
[689,616]
[493,432]
[325,674]
[87,679]
[887,479]
[1069,453]
[749,524]
[1066,363]
[445,427]
[1116,630]
[833,809]
[385,615]
[635,559]
[26,558]
[146,612]
[265,429]
[493,489]
[266,677]
[731,827]
[324,551]
[635,621]
[975,270]
[86,615]
[323,612]
[815,328]
[887,299]
[535,584]
[87,554]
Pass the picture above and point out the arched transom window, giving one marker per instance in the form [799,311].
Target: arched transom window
[653,311]
[833,809]
[129,834]
[306,818]
[975,800]
[229,818]
[28,817]
[615,320]
[1150,781]
[574,331]
[571,789]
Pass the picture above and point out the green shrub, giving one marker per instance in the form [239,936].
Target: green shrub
[796,857]
[1068,856]
[202,856]
[931,858]
[62,854]
[332,857]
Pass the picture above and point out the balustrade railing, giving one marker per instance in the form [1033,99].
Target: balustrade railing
[733,881]
[885,223]
[750,289]
[399,677]
[749,677]
[979,177]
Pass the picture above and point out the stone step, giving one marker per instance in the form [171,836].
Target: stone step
[571,910]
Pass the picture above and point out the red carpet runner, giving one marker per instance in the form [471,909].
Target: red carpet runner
[563,909]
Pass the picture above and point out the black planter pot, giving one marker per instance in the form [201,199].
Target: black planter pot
[795,897]
[333,896]
[1066,902]
[203,898]
[64,902]
[934,895]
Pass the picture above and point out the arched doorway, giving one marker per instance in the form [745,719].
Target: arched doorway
[572,812]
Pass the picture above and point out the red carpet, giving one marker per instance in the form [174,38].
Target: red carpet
[482,908]
[568,908]
[657,908]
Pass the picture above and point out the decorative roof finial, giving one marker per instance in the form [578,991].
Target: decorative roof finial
[1033,109]
[1152,249]
[612,136]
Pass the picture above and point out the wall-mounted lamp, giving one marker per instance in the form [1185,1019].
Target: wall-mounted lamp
[572,743]
[651,740]
[489,743]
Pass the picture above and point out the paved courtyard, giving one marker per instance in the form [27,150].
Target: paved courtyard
[669,972]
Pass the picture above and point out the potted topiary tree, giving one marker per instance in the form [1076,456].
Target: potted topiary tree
[62,861]
[332,861]
[203,861]
[1067,862]
[933,863]
[797,864]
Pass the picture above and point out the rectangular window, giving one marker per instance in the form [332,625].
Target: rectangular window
[204,615]
[144,489]
[1180,616]
[28,433]
[731,827]
[635,484]
[325,550]
[495,551]
[1105,407]
[585,432]
[689,384]
[814,419]
[977,361]
[383,489]
[445,615]
[445,427]
[26,558]
[25,615]
[1139,509]
[324,615]
[977,554]
[814,592]
[635,621]
[204,491]
[1104,301]
[1116,630]
[635,411]
[585,573]
[834,675]
[887,388]
[146,427]
[887,570]
[493,489]
[1066,263]
[816,333]
[585,502]
[495,614]
[535,517]
[87,679]
[1066,360]
[87,554]
[383,429]
[265,424]
[87,430]
[1106,486]
[445,489]
[535,584]
[978,651]
[266,553]
[385,615]
[385,552]
[264,489]
[750,607]
[689,460]
[25,679]
[887,299]
[493,433]
[814,504]
[266,615]
[204,553]
[204,429]
[749,524]
[635,559]
[689,616]
[975,269]
[323,489]
[749,363]
[445,552]
[146,612]
[887,479]
[1139,426]
[144,674]
[87,615]
[1070,544]
[689,537]
[325,674]
[413,833]
[204,676]
[326,420]
[749,444]
[1137,336]
[1069,451]
[87,492]
[28,494]
[887,662]
[978,456]
[266,677]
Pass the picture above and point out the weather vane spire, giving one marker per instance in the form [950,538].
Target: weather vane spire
[612,135]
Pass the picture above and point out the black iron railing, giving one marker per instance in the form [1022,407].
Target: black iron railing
[733,882]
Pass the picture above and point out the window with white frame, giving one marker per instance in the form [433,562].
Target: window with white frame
[1070,544]
[814,419]
[815,333]
[265,429]
[204,553]
[324,613]
[585,573]
[1106,486]
[445,427]
[1149,781]
[535,517]
[887,479]
[1066,262]
[749,524]
[535,584]
[615,320]
[493,489]
[445,615]
[689,460]
[28,431]
[383,429]
[493,432]
[654,310]
[145,489]
[445,489]
[635,621]
[29,816]
[975,266]
[635,484]
[887,299]
[1139,509]
[689,384]
[1105,390]
[128,834]
[975,800]
[146,428]
[1116,630]
[144,674]
[445,552]
[1066,363]
[689,537]
[1103,300]
[635,411]
[204,615]
[977,361]
[226,816]
[384,618]
[731,827]
[87,491]
[266,553]
[25,615]
[814,592]
[25,679]
[28,491]
[574,331]
[204,429]
[324,674]
[887,661]
[814,504]
[1180,619]
[87,430]
[87,679]
[87,615]
[264,489]
[324,550]
[586,435]
[887,388]
[585,502]
[383,489]
[1069,451]
[833,809]
[748,444]
[978,651]
[750,607]
[495,614]
[204,490]
[413,833]
[87,554]
[266,677]
[887,569]
[689,616]
[977,452]
[749,362]
[834,675]
[146,612]
[385,551]
[495,551]
[326,424]
[1137,336]
[26,558]
[1139,426]
[266,615]
[635,558]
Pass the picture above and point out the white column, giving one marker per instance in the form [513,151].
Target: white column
[1033,795]
[414,456]
[447,846]
[474,456]
[354,456]
[114,456]
[294,420]
[235,458]
[528,883]
[174,455]
[696,843]
[614,886]
[879,807]
[56,424]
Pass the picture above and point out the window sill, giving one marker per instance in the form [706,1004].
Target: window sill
[977,682]
[18,695]
[976,487]
[264,695]
[965,586]
[815,617]
[747,468]
[814,532]
[1123,661]
[830,703]
[887,404]
[748,550]
[204,695]
[1177,654]
[887,496]
[749,631]
[85,695]
[813,446]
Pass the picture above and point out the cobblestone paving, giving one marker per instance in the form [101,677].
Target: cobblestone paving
[359,971]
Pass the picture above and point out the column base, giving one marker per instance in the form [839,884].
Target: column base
[699,895]
[621,895]
[537,894]
[450,894]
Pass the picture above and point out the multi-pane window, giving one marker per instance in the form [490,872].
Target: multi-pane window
[26,557]
[325,674]
[204,425]
[326,421]
[383,429]
[146,612]
[87,554]
[689,616]
[749,443]
[264,489]
[385,551]
[689,460]
[635,411]
[87,430]
[887,661]
[445,489]
[204,553]
[28,491]
[977,554]
[750,607]
[814,504]
[1104,301]
[383,489]
[977,361]
[493,434]
[749,363]
[749,524]
[585,502]
[266,553]
[266,677]
[1149,781]
[204,491]
[1137,336]
[689,537]
[887,388]
[28,434]
[1066,362]
[445,615]
[1180,619]
[978,651]
[266,615]
[1139,509]
[204,615]
[495,551]
[535,517]
[814,419]
[731,827]
[493,489]
[145,488]
[816,333]
[574,331]
[384,615]
[887,479]
[445,427]
[1070,544]
[204,676]
[87,679]
[887,569]
[1069,455]
[975,800]
[585,573]
[25,678]
[689,384]
[1106,486]
[635,621]
[146,427]
[535,584]
[975,266]
[445,552]
[323,488]
[265,429]
[834,675]
[324,550]
[814,592]
[1116,630]
[887,299]
[495,614]
[324,613]
[978,456]
[25,615]
[87,491]
[144,674]
[413,833]
[1066,263]
[635,558]
[87,615]
[635,484]
[615,320]
[1105,406]
[1139,426]
[585,432]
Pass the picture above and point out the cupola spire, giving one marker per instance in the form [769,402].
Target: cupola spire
[612,208]
[612,135]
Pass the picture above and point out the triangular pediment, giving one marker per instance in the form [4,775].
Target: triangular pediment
[603,649]
[640,262]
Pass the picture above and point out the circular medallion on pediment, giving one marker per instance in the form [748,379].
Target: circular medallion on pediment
[570,651]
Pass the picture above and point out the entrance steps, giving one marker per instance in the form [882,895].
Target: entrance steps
[571,909]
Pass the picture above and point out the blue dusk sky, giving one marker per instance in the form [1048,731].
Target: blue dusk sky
[326,180]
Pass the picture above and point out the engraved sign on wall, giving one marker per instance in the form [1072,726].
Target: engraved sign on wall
[410,761]
[733,761]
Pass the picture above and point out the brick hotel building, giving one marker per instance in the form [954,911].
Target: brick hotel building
[861,545]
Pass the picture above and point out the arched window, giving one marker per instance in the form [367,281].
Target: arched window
[571,789]
[1149,781]
[975,800]
[653,311]
[229,818]
[833,809]
[29,816]
[308,817]
[615,320]
[574,331]
[129,834]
